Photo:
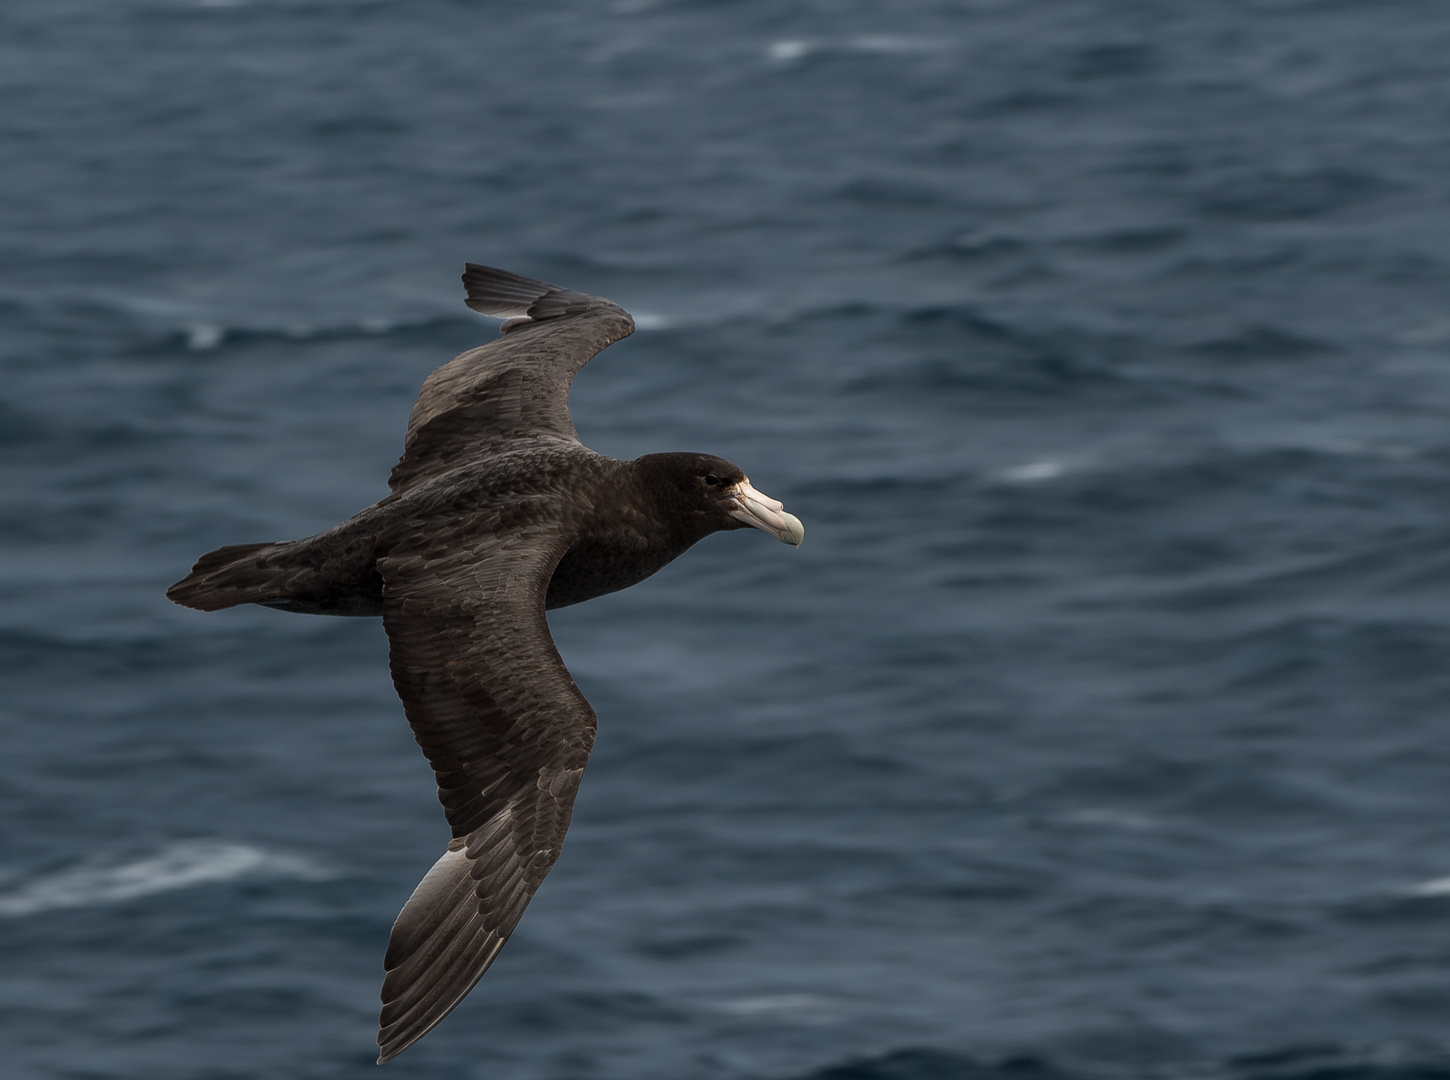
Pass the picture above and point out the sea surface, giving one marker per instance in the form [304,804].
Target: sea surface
[1100,730]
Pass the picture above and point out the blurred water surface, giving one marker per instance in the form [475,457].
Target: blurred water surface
[1097,730]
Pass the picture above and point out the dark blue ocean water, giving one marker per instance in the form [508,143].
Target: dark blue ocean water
[1099,729]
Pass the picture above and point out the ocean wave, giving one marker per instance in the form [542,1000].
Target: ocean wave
[149,323]
[790,50]
[923,1064]
[1151,470]
[1386,1061]
[796,1008]
[1439,886]
[180,865]
[1110,818]
[646,321]
[202,335]
[1258,194]
[1033,472]
[145,321]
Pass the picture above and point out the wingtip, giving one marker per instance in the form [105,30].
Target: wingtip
[500,293]
[521,300]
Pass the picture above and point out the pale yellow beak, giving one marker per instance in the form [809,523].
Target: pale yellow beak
[761,511]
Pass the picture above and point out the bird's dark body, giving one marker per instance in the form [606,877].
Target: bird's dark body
[617,538]
[497,513]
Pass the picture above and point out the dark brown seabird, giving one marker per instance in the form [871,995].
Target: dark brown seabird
[497,513]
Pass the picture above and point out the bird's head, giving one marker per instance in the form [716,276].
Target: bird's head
[717,495]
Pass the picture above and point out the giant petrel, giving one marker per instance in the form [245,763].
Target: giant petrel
[497,513]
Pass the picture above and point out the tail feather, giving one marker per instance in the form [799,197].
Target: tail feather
[231,575]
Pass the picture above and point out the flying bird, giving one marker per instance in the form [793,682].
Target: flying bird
[497,513]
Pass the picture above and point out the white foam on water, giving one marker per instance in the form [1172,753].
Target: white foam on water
[784,52]
[1033,472]
[1439,886]
[646,321]
[180,865]
[789,50]
[204,335]
[794,1006]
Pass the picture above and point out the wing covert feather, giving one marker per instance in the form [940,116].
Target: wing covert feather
[514,388]
[508,735]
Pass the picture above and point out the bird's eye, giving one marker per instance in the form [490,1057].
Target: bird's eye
[713,480]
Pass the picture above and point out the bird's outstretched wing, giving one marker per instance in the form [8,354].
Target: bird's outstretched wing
[507,733]
[514,388]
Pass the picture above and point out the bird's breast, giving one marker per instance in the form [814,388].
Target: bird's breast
[605,563]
